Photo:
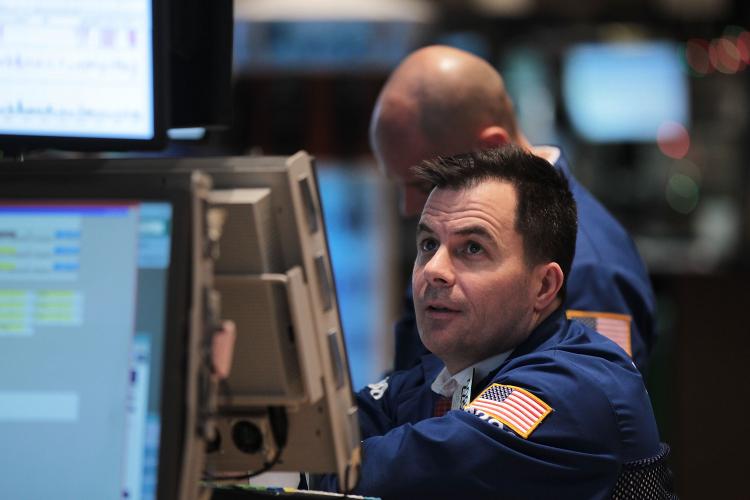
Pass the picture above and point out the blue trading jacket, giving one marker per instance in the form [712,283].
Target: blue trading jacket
[601,418]
[607,275]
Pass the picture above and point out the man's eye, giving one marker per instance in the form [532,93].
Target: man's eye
[473,248]
[428,245]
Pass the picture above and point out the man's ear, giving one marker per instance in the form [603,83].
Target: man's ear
[549,278]
[493,136]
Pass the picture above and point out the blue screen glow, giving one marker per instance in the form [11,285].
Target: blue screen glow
[624,92]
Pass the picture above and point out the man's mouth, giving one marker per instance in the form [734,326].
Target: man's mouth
[441,308]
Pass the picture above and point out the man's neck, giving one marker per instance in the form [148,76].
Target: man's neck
[539,317]
[546,312]
[457,387]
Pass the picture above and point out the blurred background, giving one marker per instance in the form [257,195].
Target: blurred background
[649,99]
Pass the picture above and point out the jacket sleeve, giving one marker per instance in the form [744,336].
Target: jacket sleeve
[443,457]
[373,408]
[572,454]
[595,286]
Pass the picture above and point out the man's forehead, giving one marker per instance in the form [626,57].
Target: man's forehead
[486,195]
[491,203]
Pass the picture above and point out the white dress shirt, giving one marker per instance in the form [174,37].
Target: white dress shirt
[458,387]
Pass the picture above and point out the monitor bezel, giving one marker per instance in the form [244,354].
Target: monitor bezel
[16,145]
[71,180]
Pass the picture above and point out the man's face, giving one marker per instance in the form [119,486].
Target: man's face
[396,159]
[413,193]
[473,294]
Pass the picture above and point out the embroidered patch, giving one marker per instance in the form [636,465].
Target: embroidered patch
[616,327]
[377,390]
[512,406]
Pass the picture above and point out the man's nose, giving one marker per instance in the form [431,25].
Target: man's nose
[438,270]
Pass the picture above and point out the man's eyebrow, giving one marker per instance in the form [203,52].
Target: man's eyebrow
[474,231]
[424,228]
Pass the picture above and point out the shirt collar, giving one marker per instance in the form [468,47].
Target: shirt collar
[446,384]
[549,153]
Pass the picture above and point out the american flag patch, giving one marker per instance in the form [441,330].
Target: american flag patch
[512,406]
[616,327]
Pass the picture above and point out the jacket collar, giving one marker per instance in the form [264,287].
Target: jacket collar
[546,332]
[542,334]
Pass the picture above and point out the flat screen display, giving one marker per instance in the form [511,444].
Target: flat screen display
[78,69]
[623,92]
[83,291]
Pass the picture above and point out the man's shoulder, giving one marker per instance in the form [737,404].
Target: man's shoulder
[586,382]
[575,358]
[583,389]
[599,232]
[606,256]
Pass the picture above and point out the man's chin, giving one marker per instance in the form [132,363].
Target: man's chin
[440,343]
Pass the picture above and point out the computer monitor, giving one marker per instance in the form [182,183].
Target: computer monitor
[200,63]
[101,321]
[288,403]
[623,92]
[82,75]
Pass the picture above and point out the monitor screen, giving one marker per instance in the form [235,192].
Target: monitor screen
[82,330]
[79,73]
[623,92]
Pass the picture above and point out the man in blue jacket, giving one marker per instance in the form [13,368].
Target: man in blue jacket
[444,101]
[517,401]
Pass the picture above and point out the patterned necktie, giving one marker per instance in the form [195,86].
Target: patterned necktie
[442,405]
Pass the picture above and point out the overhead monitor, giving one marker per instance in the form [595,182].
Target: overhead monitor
[200,63]
[81,75]
[97,332]
[288,403]
[623,92]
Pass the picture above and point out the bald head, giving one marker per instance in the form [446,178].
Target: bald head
[439,101]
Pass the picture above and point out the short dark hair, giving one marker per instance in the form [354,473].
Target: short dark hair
[546,215]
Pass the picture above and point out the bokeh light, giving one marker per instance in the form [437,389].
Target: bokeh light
[736,51]
[696,53]
[724,55]
[687,167]
[673,139]
[682,193]
[743,46]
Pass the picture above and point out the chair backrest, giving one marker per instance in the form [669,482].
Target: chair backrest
[646,478]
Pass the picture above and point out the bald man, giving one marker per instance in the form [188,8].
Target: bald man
[444,101]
